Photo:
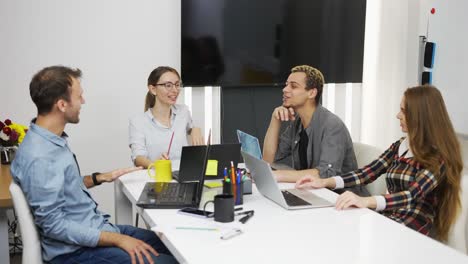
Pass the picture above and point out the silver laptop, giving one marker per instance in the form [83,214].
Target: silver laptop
[290,199]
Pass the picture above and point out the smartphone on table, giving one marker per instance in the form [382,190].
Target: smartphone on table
[195,212]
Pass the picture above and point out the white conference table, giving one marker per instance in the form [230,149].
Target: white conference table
[276,235]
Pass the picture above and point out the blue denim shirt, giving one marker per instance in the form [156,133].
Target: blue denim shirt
[64,212]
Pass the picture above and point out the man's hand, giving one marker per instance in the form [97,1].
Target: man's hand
[113,175]
[197,138]
[136,249]
[284,114]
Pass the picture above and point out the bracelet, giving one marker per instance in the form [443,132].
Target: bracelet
[95,181]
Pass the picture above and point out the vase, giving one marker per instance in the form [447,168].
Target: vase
[7,154]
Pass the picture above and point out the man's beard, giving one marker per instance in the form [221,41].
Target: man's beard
[73,119]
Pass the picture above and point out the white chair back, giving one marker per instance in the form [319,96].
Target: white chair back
[464,151]
[458,235]
[32,253]
[365,154]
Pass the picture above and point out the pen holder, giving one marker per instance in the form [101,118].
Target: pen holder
[237,190]
[247,186]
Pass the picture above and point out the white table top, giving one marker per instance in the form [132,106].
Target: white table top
[275,235]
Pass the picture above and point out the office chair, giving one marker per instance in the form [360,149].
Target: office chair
[365,154]
[458,235]
[32,253]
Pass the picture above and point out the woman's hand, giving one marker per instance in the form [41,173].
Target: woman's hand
[349,199]
[313,182]
[163,156]
[197,138]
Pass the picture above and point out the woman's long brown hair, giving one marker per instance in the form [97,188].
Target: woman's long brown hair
[153,79]
[432,140]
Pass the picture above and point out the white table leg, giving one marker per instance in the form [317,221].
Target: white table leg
[123,206]
[4,242]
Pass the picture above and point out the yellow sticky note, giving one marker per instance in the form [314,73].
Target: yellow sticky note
[212,168]
[214,184]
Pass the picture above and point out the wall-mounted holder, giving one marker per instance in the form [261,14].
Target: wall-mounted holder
[426,60]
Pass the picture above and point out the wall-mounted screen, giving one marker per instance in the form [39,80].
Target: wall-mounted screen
[255,42]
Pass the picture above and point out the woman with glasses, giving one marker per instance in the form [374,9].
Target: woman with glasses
[165,127]
[422,169]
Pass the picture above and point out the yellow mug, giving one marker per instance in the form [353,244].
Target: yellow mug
[162,169]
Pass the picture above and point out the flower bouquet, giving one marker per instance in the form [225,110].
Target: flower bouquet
[11,135]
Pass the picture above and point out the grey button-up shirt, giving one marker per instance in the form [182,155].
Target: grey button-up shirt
[330,148]
[64,212]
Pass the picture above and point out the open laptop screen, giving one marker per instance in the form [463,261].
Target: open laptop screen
[249,144]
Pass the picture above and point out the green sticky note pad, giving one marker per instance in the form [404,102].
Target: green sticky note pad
[212,168]
[214,184]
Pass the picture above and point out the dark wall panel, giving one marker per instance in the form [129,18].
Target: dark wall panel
[248,109]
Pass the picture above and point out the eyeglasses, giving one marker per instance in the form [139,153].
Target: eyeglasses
[169,85]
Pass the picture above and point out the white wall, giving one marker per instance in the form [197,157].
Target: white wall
[390,66]
[116,43]
[447,28]
[391,61]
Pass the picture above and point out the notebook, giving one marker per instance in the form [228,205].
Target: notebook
[172,195]
[290,199]
[249,144]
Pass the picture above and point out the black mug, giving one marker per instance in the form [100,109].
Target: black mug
[223,208]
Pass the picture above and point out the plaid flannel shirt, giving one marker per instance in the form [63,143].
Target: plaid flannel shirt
[411,197]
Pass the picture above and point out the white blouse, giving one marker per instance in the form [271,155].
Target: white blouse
[149,138]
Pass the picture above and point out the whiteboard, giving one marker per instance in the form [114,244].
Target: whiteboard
[448,28]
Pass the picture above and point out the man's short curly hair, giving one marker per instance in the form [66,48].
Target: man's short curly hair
[314,79]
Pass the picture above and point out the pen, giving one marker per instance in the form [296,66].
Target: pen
[233,172]
[245,212]
[225,174]
[197,228]
[234,232]
[244,219]
[170,143]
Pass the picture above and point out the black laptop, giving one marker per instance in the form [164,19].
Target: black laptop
[191,164]
[224,154]
[172,195]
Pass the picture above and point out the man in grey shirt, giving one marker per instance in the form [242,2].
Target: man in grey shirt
[315,141]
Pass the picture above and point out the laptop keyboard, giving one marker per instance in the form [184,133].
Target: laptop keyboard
[293,200]
[167,192]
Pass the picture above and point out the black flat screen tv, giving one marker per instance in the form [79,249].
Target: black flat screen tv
[257,42]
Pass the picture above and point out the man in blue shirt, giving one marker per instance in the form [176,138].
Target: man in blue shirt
[71,227]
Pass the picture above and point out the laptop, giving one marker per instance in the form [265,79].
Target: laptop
[290,199]
[249,144]
[191,164]
[224,154]
[172,195]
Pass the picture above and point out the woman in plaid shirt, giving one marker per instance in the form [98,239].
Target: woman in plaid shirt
[422,170]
